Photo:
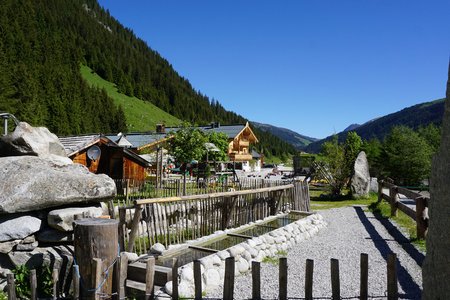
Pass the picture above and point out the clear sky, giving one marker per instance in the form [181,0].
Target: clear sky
[312,66]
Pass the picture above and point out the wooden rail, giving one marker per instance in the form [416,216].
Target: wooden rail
[420,214]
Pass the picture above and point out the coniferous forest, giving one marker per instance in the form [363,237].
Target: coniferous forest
[44,42]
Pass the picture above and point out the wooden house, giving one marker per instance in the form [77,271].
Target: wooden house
[101,155]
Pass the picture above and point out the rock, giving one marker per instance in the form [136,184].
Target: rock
[19,258]
[223,254]
[28,140]
[27,247]
[253,252]
[29,239]
[7,247]
[236,250]
[62,219]
[34,184]
[157,248]
[216,261]
[360,185]
[132,257]
[168,287]
[187,273]
[13,227]
[185,290]
[212,278]
[243,266]
[54,236]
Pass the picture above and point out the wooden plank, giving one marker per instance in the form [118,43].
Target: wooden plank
[134,227]
[386,197]
[309,271]
[282,278]
[55,277]
[137,271]
[421,222]
[197,280]
[408,193]
[240,235]
[335,281]
[149,278]
[76,282]
[228,285]
[256,280]
[11,287]
[122,276]
[33,284]
[364,277]
[392,287]
[407,210]
[122,224]
[203,249]
[175,279]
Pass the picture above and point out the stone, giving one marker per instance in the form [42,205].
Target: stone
[62,219]
[270,239]
[253,252]
[243,265]
[31,183]
[29,140]
[216,261]
[27,247]
[223,254]
[132,257]
[7,247]
[360,184]
[54,236]
[187,273]
[212,278]
[14,227]
[29,239]
[168,287]
[157,248]
[236,250]
[185,290]
[374,185]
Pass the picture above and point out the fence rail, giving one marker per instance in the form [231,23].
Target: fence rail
[419,214]
[174,220]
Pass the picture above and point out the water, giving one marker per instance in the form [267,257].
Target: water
[188,255]
[225,243]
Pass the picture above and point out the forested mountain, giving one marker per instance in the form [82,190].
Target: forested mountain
[43,44]
[295,139]
[413,117]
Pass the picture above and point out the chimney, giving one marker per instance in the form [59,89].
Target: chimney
[160,128]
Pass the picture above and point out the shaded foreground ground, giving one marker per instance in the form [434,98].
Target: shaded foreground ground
[350,231]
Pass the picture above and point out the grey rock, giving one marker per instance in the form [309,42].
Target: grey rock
[27,247]
[31,183]
[28,140]
[157,248]
[7,247]
[54,236]
[374,184]
[360,184]
[62,219]
[13,227]
[29,239]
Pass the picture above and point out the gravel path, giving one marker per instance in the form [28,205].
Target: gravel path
[350,231]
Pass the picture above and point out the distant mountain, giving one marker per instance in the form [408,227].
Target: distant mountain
[351,127]
[414,116]
[297,140]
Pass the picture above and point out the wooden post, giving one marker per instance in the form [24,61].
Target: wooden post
[122,224]
[393,192]
[134,227]
[282,278]
[228,285]
[76,282]
[122,275]
[11,287]
[421,223]
[149,278]
[309,279]
[175,279]
[197,280]
[112,213]
[392,286]
[98,278]
[95,238]
[335,282]
[256,280]
[55,278]
[127,192]
[363,287]
[380,190]
[33,284]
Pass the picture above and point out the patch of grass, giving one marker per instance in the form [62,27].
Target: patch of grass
[321,200]
[275,260]
[383,209]
[140,115]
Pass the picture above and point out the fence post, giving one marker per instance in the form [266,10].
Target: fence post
[122,275]
[98,265]
[309,279]
[175,279]
[393,192]
[392,286]
[363,287]
[335,283]
[421,222]
[198,279]
[256,280]
[380,190]
[76,282]
[149,278]
[11,287]
[228,285]
[134,227]
[55,277]
[282,278]
[33,284]
[122,223]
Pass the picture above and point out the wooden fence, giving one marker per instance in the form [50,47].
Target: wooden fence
[120,274]
[174,220]
[420,214]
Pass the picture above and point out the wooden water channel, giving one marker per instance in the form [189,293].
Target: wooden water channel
[174,220]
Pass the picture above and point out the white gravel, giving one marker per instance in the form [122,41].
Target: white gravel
[350,231]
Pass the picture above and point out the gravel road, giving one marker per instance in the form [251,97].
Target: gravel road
[350,231]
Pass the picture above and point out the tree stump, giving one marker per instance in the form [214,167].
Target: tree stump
[95,238]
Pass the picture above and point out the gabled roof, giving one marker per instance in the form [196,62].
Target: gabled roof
[74,144]
[141,140]
[232,131]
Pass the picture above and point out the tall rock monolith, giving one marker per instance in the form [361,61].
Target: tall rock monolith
[436,268]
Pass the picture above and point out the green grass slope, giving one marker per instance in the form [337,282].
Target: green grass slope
[140,115]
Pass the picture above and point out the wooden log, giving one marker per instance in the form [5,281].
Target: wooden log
[407,210]
[309,271]
[282,278]
[394,199]
[76,282]
[11,287]
[122,227]
[33,284]
[335,281]
[197,280]
[364,278]
[134,227]
[149,278]
[55,277]
[228,285]
[392,287]
[98,265]
[256,280]
[175,279]
[421,222]
[95,238]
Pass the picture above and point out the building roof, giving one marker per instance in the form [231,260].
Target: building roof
[140,140]
[255,154]
[74,144]
[230,130]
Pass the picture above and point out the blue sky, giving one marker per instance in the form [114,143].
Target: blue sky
[313,66]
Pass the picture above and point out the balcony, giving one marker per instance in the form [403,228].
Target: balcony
[240,156]
[244,143]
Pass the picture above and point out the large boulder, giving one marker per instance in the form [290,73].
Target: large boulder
[62,219]
[28,140]
[31,183]
[15,227]
[360,185]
